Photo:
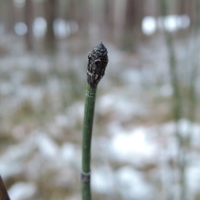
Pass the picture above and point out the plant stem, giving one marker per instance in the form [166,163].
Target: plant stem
[87,137]
[177,109]
[97,62]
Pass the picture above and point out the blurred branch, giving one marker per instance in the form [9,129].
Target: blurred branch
[184,143]
[173,70]
[194,75]
[3,191]
[177,109]
[11,15]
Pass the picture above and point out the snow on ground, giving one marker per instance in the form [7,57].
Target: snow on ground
[132,145]
[43,115]
[140,146]
[22,191]
[135,146]
[132,184]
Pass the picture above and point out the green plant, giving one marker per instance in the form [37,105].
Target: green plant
[97,62]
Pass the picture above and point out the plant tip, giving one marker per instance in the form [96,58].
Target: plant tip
[97,62]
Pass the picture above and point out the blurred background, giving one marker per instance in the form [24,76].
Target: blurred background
[146,131]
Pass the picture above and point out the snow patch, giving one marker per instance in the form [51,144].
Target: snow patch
[22,191]
[132,145]
[46,146]
[103,180]
[132,185]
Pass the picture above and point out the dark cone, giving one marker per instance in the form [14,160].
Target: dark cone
[97,62]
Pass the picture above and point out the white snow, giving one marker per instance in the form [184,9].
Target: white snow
[61,120]
[103,180]
[132,145]
[68,152]
[120,106]
[75,112]
[131,184]
[125,147]
[47,146]
[193,177]
[166,90]
[22,191]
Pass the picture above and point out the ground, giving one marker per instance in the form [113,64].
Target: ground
[134,143]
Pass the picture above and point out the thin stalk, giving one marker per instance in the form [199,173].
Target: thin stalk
[194,74]
[97,62]
[192,88]
[192,104]
[177,110]
[87,137]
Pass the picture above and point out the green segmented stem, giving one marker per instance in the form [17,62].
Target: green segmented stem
[97,62]
[87,137]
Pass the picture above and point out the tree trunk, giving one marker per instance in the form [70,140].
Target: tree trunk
[186,7]
[134,13]
[119,19]
[29,21]
[108,18]
[50,7]
[133,20]
[11,16]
